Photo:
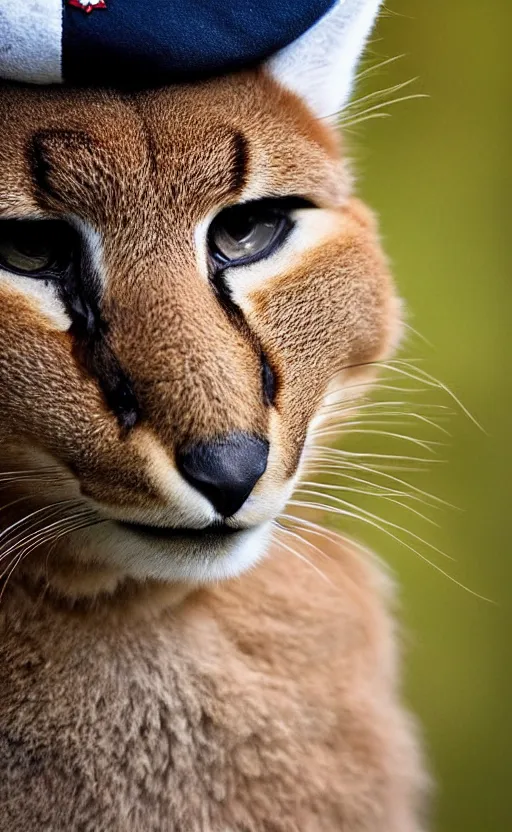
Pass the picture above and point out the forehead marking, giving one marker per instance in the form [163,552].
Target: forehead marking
[43,146]
[240,161]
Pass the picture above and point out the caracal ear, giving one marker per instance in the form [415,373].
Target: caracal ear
[320,65]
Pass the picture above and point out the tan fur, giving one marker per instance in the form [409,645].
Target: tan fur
[130,700]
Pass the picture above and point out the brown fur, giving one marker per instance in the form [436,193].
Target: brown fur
[249,707]
[128,703]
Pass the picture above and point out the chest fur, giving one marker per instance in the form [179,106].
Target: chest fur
[258,718]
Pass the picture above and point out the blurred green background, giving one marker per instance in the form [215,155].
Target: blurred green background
[439,173]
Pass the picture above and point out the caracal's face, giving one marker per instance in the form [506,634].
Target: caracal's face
[166,351]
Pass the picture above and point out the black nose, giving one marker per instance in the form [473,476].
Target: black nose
[226,469]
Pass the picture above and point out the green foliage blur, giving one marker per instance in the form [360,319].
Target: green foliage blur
[439,174]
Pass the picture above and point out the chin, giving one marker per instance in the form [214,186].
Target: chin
[176,556]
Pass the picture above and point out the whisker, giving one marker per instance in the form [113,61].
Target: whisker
[338,422]
[379,467]
[335,510]
[14,502]
[34,541]
[375,489]
[388,495]
[8,477]
[348,127]
[397,403]
[418,334]
[332,469]
[359,466]
[371,96]
[287,530]
[363,116]
[373,516]
[35,513]
[375,67]
[421,375]
[42,470]
[18,558]
[362,455]
[332,536]
[377,409]
[428,446]
[27,525]
[305,560]
[53,533]
[321,531]
[324,495]
[41,533]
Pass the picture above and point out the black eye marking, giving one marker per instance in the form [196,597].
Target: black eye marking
[50,250]
[240,161]
[90,336]
[224,294]
[89,329]
[268,380]
[233,227]
[251,231]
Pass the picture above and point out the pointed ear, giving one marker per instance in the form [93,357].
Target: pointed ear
[320,65]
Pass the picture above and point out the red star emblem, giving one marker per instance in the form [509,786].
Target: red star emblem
[87,6]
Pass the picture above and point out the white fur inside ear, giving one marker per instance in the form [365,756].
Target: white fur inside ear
[31,41]
[320,65]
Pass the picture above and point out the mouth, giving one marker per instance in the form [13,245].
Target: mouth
[184,554]
[216,531]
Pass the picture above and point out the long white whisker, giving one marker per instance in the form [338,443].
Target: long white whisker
[372,96]
[359,466]
[381,520]
[40,534]
[287,530]
[19,557]
[361,455]
[34,541]
[14,502]
[333,469]
[375,67]
[391,498]
[427,446]
[43,470]
[417,333]
[337,422]
[36,513]
[360,116]
[329,535]
[335,510]
[304,560]
[30,524]
[362,406]
[349,125]
[421,375]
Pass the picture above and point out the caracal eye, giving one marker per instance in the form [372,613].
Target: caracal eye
[35,248]
[245,233]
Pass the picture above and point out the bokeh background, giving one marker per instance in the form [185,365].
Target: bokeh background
[439,173]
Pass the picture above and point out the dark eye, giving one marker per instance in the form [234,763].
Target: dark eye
[245,233]
[35,248]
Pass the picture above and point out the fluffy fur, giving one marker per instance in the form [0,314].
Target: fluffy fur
[267,705]
[133,699]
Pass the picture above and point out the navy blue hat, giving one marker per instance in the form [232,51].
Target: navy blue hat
[145,42]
